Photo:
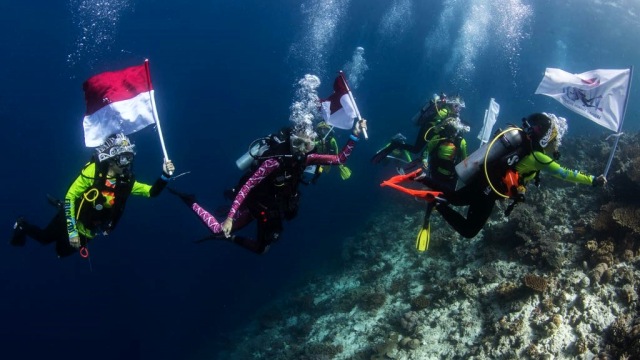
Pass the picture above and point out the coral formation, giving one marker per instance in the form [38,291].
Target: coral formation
[419,302]
[535,282]
[627,217]
[480,298]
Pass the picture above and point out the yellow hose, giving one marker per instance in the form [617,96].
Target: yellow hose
[486,173]
[86,196]
[427,133]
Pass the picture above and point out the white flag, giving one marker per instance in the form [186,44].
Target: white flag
[490,117]
[598,95]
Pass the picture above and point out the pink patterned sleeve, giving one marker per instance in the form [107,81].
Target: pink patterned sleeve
[328,159]
[263,171]
[208,219]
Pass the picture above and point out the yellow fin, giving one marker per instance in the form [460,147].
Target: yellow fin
[345,172]
[424,236]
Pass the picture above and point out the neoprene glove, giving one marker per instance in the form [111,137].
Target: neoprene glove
[599,181]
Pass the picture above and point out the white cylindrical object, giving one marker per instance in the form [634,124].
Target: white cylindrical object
[245,161]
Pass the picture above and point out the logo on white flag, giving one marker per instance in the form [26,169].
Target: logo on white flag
[599,95]
[587,99]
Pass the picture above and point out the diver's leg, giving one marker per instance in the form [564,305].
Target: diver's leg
[269,230]
[477,215]
[382,153]
[417,146]
[56,229]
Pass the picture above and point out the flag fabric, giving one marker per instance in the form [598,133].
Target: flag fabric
[490,117]
[338,109]
[117,101]
[598,95]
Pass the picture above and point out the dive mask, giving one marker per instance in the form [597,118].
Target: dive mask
[123,160]
[302,144]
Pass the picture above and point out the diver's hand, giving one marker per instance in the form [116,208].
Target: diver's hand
[168,168]
[226,227]
[600,181]
[75,242]
[361,126]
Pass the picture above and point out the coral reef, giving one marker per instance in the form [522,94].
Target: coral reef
[558,279]
[535,282]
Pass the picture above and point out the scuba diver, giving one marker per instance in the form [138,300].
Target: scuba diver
[325,144]
[502,169]
[432,113]
[400,158]
[95,201]
[268,192]
[446,149]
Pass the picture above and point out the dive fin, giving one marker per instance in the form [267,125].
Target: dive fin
[424,236]
[55,202]
[345,172]
[188,199]
[219,236]
[382,153]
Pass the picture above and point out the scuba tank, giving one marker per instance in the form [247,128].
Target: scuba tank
[257,148]
[505,147]
[274,145]
[426,112]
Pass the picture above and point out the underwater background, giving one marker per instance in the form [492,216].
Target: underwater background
[225,73]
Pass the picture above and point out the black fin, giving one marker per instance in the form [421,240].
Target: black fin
[55,202]
[188,199]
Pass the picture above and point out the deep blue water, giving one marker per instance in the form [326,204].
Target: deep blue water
[224,74]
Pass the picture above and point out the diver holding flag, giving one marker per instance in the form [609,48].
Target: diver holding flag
[118,103]
[599,95]
[339,109]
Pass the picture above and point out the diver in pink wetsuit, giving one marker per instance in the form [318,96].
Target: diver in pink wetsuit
[268,192]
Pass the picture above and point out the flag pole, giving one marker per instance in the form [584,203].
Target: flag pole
[156,118]
[618,133]
[355,107]
[484,126]
[327,134]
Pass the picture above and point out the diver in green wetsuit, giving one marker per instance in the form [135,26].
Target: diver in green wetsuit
[537,153]
[326,144]
[445,149]
[430,115]
[95,200]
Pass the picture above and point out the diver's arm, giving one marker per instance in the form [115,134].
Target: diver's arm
[267,167]
[329,159]
[541,161]
[76,191]
[145,190]
[341,158]
[560,172]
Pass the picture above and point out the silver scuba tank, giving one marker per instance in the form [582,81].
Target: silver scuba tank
[509,140]
[256,148]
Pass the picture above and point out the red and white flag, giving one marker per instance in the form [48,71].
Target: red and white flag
[598,95]
[117,102]
[338,109]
